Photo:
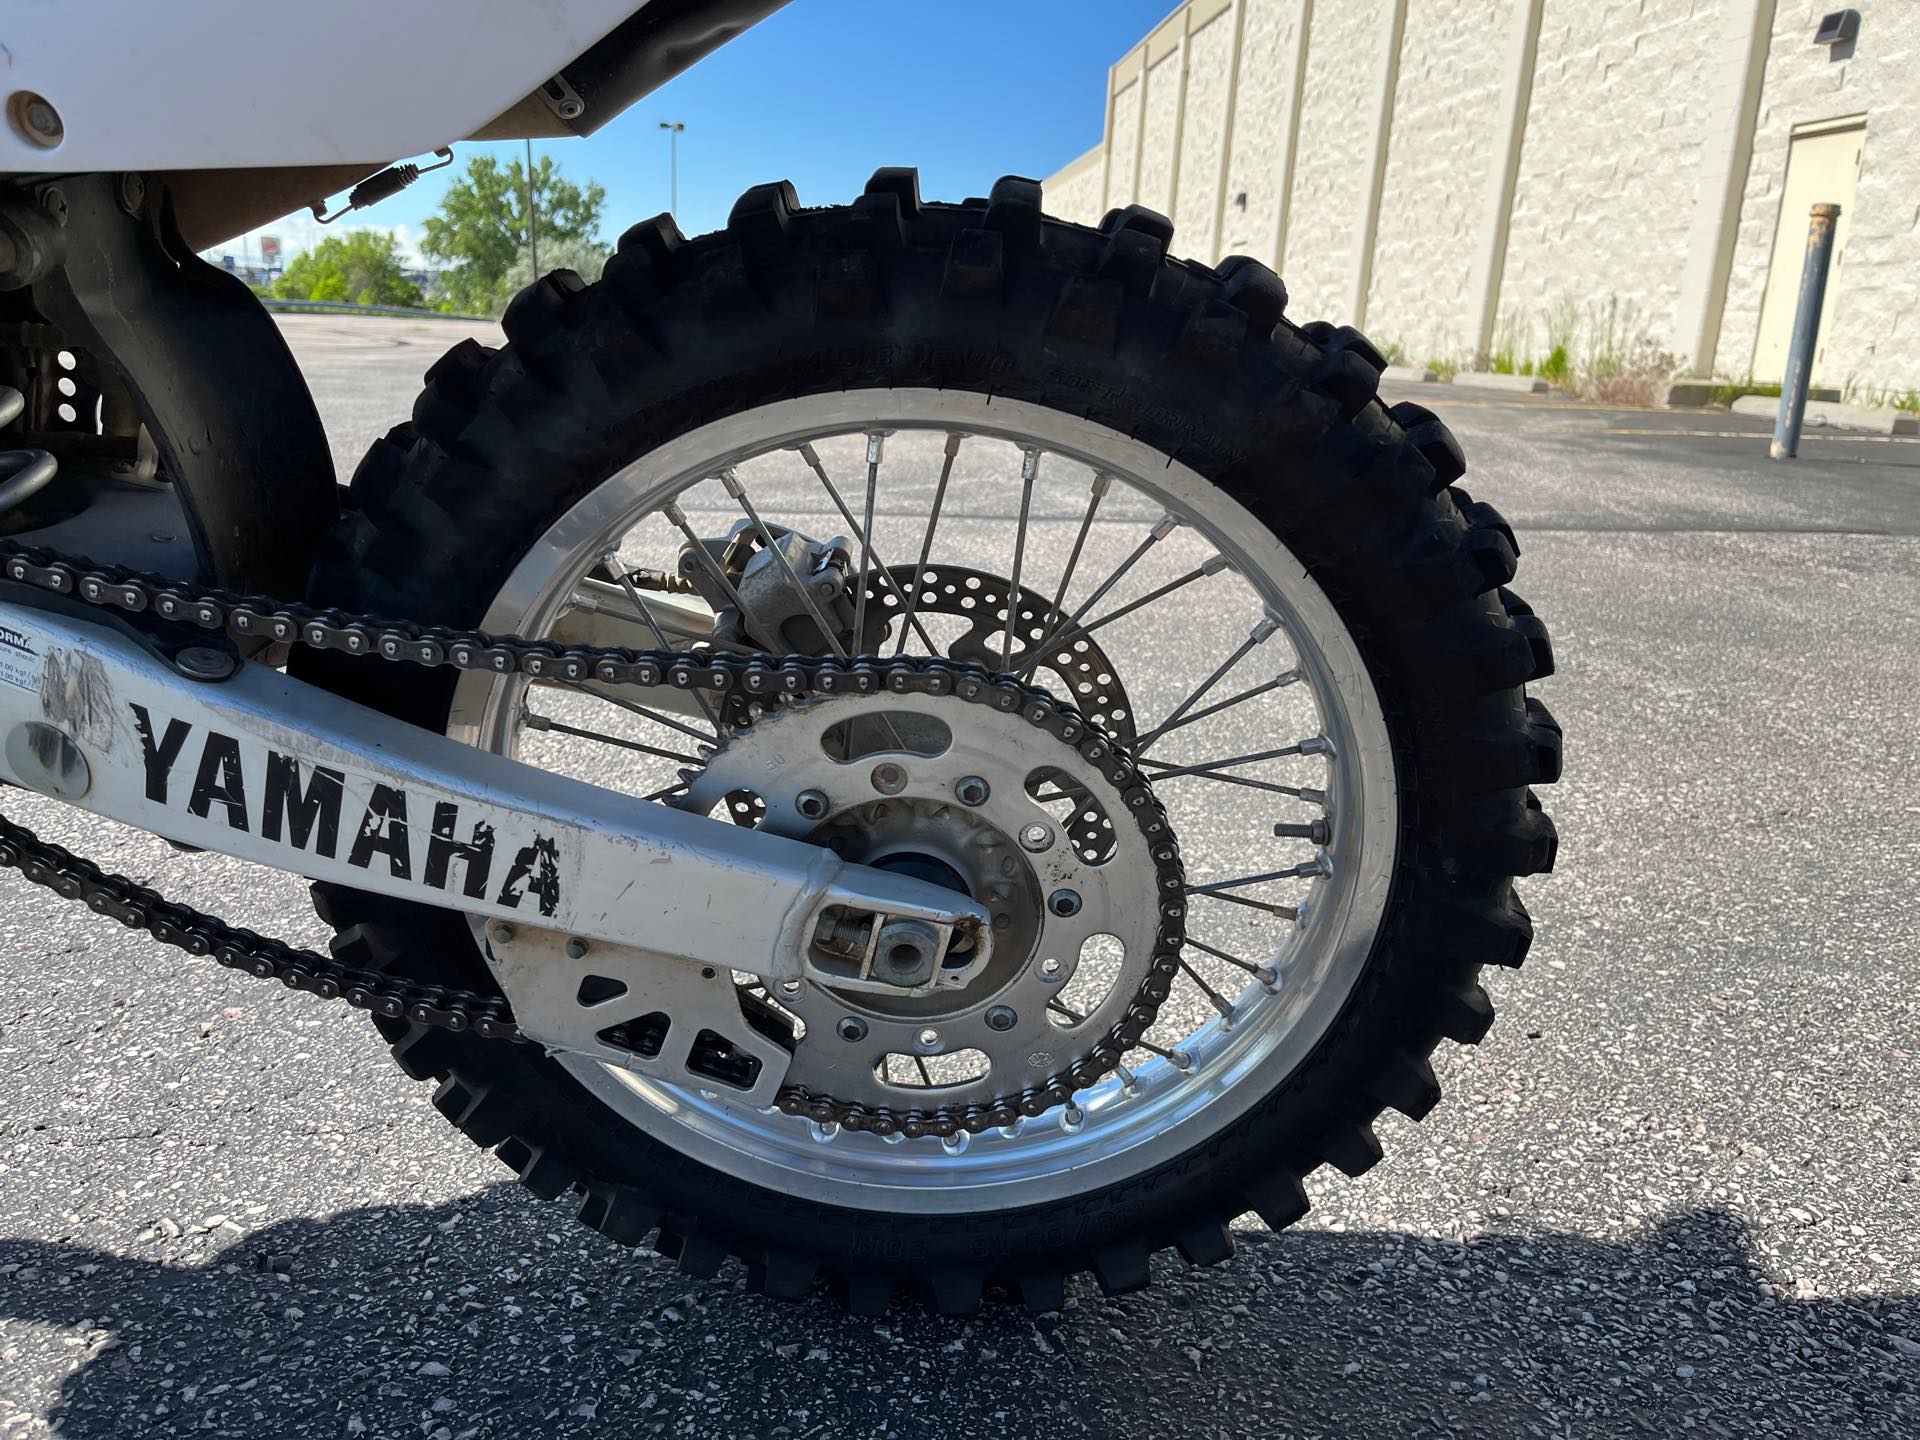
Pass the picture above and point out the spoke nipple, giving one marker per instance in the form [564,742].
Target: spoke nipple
[824,1132]
[1029,465]
[1102,483]
[851,1029]
[1288,677]
[1181,1060]
[1214,564]
[1072,1119]
[675,515]
[1270,976]
[875,439]
[576,948]
[955,1143]
[1012,1132]
[1314,797]
[1316,745]
[731,483]
[1165,526]
[1265,628]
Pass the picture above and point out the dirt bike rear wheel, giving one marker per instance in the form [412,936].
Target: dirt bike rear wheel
[1327,513]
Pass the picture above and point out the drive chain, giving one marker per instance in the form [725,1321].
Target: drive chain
[254,620]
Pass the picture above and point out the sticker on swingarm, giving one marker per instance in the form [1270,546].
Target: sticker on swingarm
[19,658]
[322,811]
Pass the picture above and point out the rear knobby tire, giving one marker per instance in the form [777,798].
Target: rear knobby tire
[987,296]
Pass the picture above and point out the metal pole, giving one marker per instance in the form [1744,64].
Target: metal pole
[673,129]
[533,223]
[1806,330]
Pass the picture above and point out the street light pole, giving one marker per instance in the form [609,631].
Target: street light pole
[673,129]
[533,224]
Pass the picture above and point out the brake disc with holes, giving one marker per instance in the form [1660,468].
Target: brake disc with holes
[1078,669]
[961,795]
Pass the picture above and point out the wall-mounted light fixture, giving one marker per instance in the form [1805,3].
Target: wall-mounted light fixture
[1840,27]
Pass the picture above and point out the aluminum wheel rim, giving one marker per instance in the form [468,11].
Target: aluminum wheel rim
[1159,1106]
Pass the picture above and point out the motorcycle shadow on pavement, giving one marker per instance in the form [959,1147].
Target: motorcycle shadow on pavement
[492,1315]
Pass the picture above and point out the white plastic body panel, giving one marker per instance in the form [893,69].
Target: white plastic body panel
[206,84]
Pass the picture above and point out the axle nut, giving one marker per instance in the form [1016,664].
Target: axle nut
[905,953]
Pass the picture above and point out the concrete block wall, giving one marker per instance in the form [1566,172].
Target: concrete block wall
[1603,206]
[1873,335]
[1440,165]
[1326,240]
[1262,126]
[1209,79]
[1449,173]
[1073,191]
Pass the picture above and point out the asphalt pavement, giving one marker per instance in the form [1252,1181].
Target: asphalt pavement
[1674,1191]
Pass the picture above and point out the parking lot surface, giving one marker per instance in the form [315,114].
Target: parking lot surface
[1674,1191]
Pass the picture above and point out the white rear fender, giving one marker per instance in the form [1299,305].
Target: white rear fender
[221,84]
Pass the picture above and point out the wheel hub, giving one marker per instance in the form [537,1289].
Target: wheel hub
[960,793]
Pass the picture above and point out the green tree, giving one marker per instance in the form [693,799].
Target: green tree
[583,256]
[482,226]
[361,266]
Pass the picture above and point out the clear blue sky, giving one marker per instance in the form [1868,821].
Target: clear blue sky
[824,91]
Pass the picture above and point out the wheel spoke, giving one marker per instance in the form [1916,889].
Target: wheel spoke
[636,709]
[731,481]
[1029,471]
[926,545]
[612,561]
[1178,722]
[1305,870]
[1314,745]
[875,442]
[863,535]
[1235,960]
[1284,912]
[1164,527]
[1164,771]
[536,721]
[1257,636]
[1199,572]
[1218,1000]
[1102,483]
